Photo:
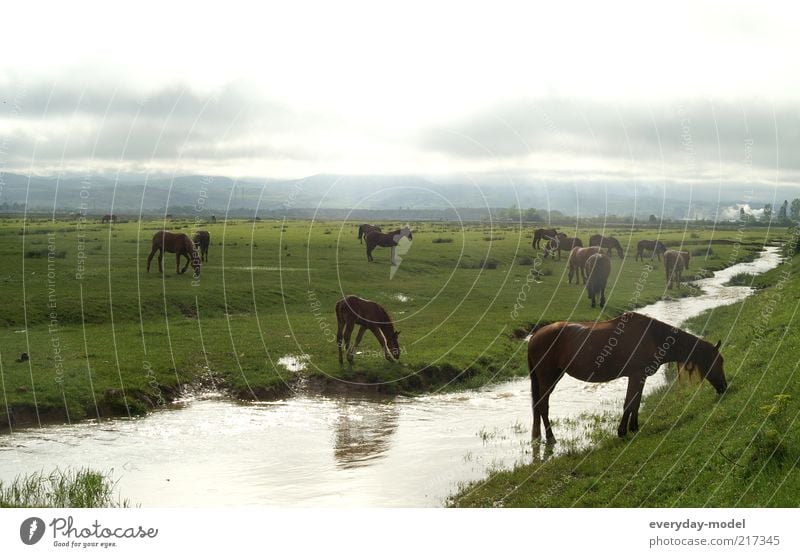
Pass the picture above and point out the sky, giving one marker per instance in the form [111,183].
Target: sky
[696,92]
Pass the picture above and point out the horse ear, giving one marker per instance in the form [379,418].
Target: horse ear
[719,343]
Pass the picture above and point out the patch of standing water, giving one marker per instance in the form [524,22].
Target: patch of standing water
[294,363]
[317,451]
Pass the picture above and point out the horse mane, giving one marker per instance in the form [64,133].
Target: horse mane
[690,351]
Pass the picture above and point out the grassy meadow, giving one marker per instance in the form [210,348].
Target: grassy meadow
[107,338]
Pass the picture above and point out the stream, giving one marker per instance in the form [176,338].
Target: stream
[313,451]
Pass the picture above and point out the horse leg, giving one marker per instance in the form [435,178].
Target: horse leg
[150,258]
[392,256]
[188,260]
[603,298]
[160,258]
[348,332]
[369,251]
[339,337]
[537,413]
[359,336]
[630,413]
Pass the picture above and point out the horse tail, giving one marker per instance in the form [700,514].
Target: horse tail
[361,233]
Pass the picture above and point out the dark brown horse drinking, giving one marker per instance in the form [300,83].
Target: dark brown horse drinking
[365,229]
[202,238]
[559,243]
[544,234]
[608,242]
[386,240]
[597,269]
[179,244]
[352,311]
[655,247]
[632,346]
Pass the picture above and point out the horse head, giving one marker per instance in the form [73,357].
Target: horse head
[707,361]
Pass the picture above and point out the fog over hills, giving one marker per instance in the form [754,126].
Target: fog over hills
[358,193]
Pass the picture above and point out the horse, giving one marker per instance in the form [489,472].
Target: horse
[561,242]
[631,345]
[179,244]
[674,263]
[364,229]
[202,239]
[656,247]
[352,311]
[108,218]
[543,234]
[577,260]
[386,240]
[608,242]
[597,269]
[213,219]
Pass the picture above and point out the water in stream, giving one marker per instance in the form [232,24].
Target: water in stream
[317,451]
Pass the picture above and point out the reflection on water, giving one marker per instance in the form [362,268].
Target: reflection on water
[362,431]
[318,451]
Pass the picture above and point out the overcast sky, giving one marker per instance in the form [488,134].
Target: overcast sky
[696,92]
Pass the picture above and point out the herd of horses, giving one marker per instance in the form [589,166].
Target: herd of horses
[632,345]
[593,267]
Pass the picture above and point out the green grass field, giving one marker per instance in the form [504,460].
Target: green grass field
[694,449]
[107,338]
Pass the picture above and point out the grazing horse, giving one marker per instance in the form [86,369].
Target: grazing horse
[674,264]
[561,242]
[631,345]
[352,311]
[543,234]
[179,244]
[656,247]
[608,242]
[365,229]
[386,240]
[577,261]
[597,269]
[108,218]
[202,239]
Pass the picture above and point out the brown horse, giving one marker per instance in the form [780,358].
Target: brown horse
[352,311]
[608,242]
[179,244]
[656,247]
[577,261]
[543,234]
[674,264]
[597,269]
[108,218]
[561,242]
[386,240]
[365,229]
[632,346]
[202,239]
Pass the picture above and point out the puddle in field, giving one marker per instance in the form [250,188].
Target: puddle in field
[343,451]
[294,363]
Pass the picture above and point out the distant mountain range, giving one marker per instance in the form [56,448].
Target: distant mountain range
[341,195]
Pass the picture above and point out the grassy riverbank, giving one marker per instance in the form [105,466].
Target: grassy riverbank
[694,448]
[106,338]
[81,488]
